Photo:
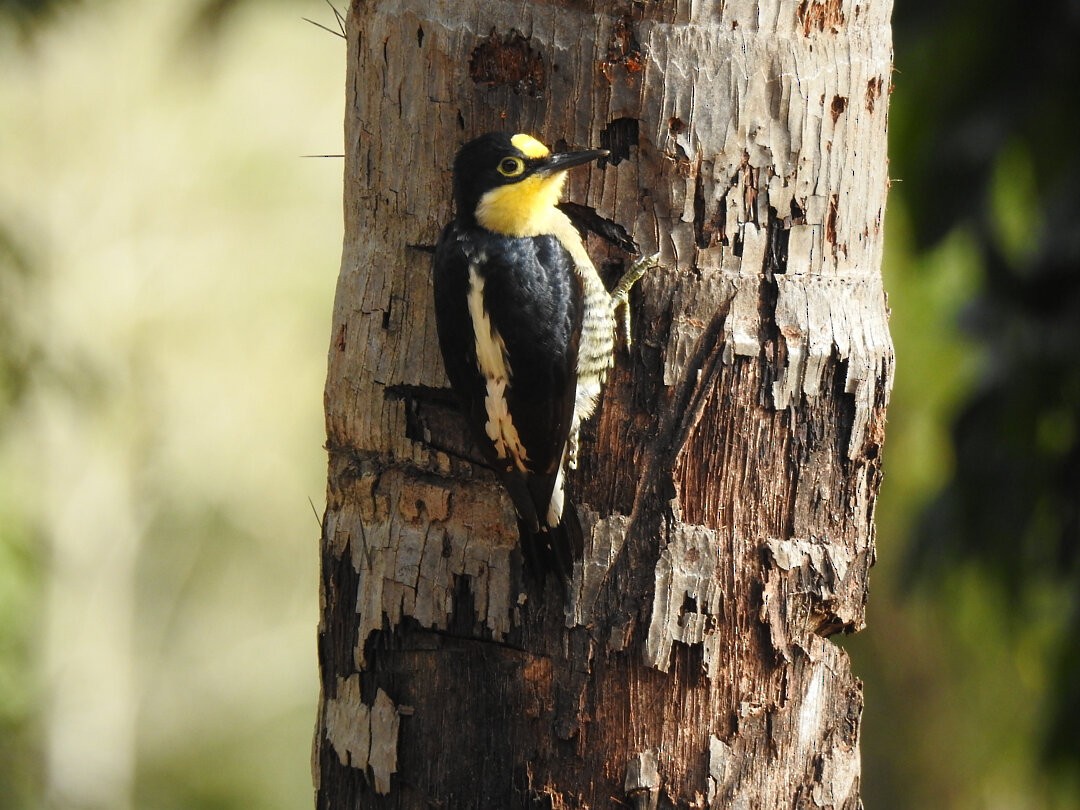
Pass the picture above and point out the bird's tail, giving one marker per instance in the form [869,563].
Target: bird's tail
[553,549]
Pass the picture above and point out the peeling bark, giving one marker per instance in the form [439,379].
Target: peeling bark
[727,484]
[364,737]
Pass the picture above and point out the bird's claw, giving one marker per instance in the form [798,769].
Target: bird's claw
[621,294]
[572,450]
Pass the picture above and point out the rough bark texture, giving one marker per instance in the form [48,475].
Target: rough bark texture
[728,483]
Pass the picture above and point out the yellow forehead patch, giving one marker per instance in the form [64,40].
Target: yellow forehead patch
[529,146]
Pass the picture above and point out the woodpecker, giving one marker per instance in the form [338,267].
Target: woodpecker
[526,328]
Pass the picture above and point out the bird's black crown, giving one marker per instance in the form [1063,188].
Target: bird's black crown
[477,168]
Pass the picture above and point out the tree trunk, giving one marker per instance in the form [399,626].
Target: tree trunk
[727,484]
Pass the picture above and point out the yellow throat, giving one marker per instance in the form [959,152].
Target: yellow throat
[525,208]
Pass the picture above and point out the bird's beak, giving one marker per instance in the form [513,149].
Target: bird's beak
[562,161]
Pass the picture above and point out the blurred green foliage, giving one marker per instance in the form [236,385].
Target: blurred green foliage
[167,263]
[27,16]
[166,267]
[971,658]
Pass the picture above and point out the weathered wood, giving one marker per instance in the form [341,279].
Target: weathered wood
[727,485]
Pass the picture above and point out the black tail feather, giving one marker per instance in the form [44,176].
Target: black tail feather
[553,550]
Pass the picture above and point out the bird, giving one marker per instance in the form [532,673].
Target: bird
[526,329]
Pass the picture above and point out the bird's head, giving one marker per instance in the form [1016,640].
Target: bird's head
[510,184]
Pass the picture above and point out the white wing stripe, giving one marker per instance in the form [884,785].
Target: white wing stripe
[492,362]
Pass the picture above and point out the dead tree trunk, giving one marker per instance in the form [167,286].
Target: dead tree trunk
[728,483]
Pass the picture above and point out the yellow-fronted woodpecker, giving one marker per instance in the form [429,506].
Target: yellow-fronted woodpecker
[526,328]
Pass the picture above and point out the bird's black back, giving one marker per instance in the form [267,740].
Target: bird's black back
[533,298]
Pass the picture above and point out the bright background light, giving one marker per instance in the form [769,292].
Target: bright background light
[165,433]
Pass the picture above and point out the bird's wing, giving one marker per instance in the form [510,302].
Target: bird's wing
[535,300]
[533,303]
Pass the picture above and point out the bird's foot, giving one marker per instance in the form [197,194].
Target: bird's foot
[572,449]
[621,294]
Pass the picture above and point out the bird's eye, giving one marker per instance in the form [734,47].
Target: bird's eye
[511,166]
